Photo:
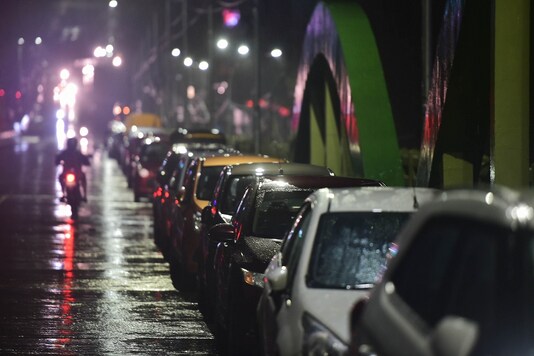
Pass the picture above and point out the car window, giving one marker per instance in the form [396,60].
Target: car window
[293,234]
[294,249]
[189,182]
[275,211]
[235,188]
[178,174]
[350,249]
[468,269]
[207,181]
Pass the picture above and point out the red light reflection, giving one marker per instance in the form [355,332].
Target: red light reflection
[67,298]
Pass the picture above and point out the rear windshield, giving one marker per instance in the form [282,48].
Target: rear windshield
[275,211]
[207,181]
[350,249]
[235,189]
[154,153]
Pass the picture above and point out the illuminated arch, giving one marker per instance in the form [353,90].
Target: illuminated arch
[341,115]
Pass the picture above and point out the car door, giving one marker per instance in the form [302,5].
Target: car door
[276,304]
[450,271]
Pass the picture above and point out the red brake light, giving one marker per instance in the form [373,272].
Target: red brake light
[70,178]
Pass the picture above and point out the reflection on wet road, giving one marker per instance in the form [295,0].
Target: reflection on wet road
[98,286]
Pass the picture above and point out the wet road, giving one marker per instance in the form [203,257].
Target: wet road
[98,286]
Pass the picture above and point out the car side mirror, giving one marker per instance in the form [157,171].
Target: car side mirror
[277,278]
[222,233]
[454,336]
[206,216]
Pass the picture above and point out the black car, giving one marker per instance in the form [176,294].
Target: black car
[230,187]
[170,178]
[250,240]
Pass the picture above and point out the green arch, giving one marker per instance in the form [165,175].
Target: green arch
[340,31]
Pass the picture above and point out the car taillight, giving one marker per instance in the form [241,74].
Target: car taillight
[70,178]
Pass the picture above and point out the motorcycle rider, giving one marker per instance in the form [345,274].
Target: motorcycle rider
[72,159]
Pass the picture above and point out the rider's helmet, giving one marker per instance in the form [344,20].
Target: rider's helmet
[72,143]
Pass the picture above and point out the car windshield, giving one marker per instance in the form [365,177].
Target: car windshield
[235,189]
[275,211]
[207,181]
[350,249]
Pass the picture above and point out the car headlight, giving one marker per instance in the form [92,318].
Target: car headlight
[319,340]
[253,278]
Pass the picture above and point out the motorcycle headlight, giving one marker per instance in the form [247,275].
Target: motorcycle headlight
[253,278]
[319,340]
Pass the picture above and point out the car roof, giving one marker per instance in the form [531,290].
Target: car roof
[497,205]
[282,168]
[377,199]
[226,160]
[315,182]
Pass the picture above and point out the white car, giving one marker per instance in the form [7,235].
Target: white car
[334,253]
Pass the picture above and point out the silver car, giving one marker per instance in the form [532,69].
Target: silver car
[334,253]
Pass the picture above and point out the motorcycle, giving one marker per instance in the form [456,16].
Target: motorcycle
[73,194]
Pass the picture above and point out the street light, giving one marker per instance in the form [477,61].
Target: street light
[203,65]
[276,53]
[113,3]
[176,52]
[188,61]
[243,50]
[222,43]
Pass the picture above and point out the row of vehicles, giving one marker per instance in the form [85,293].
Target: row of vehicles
[288,258]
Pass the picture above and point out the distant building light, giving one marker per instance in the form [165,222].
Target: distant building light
[231,17]
[109,50]
[38,40]
[117,110]
[117,61]
[113,3]
[88,69]
[222,43]
[2,92]
[243,50]
[275,53]
[64,74]
[20,41]
[203,65]
[99,52]
[191,92]
[188,61]
[18,95]
[176,52]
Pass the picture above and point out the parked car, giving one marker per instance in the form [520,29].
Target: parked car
[196,192]
[229,189]
[334,253]
[145,167]
[170,179]
[249,241]
[461,283]
[204,136]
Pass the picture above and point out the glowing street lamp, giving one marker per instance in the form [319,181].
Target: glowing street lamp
[113,3]
[276,53]
[243,50]
[176,52]
[203,65]
[222,43]
[188,61]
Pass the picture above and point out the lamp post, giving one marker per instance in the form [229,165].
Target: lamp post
[256,127]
